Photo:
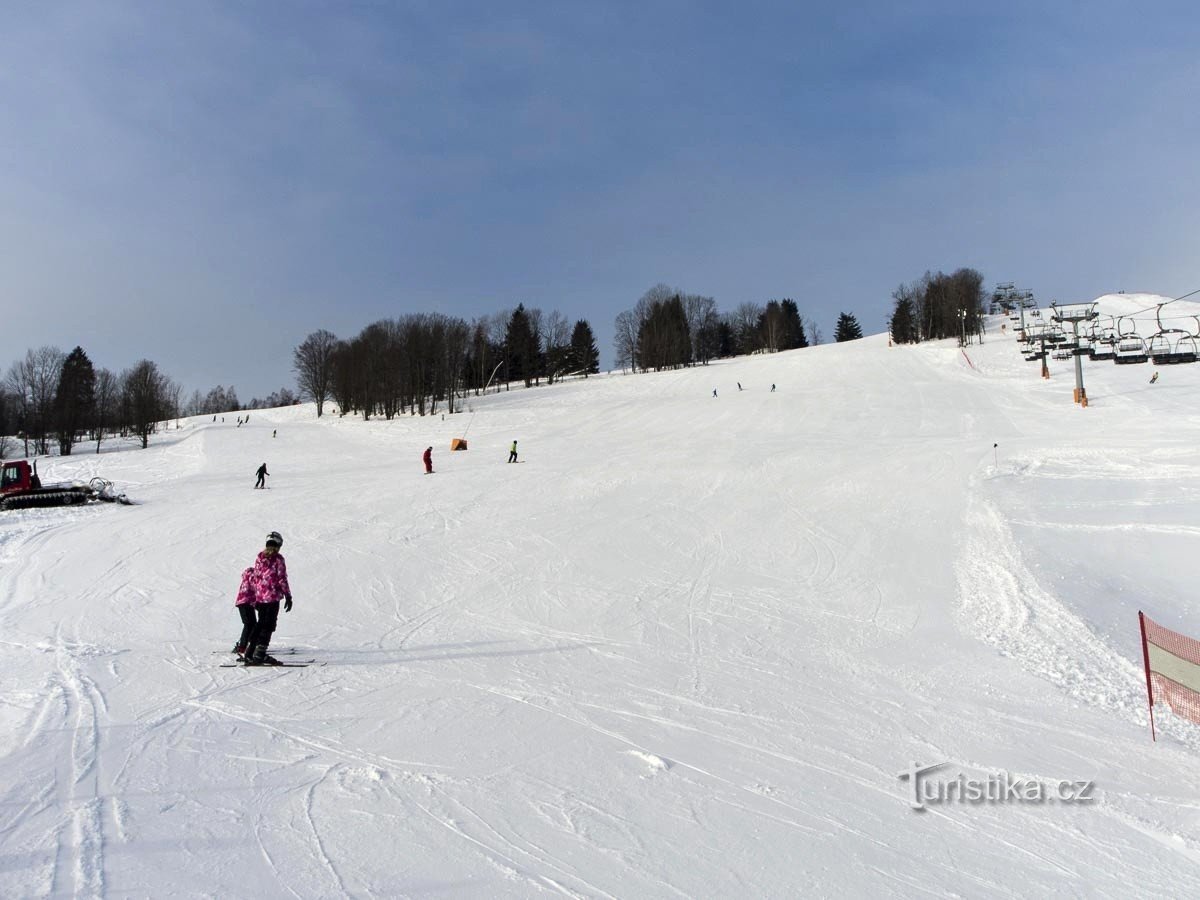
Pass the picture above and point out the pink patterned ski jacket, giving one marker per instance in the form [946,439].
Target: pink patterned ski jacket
[269,578]
[246,591]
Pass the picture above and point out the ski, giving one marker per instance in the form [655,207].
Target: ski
[286,665]
[280,652]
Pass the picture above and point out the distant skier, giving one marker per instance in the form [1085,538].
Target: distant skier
[1154,378]
[428,460]
[772,389]
[739,385]
[512,454]
[274,431]
[262,476]
[714,392]
[263,585]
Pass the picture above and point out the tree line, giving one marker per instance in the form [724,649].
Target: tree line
[668,328]
[419,363]
[938,306]
[62,397]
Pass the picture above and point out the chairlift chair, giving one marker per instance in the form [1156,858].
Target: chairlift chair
[1186,349]
[1159,349]
[1130,349]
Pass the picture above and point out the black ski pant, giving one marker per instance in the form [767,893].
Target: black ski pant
[258,624]
[249,624]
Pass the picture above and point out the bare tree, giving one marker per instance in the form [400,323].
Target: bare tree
[534,357]
[814,333]
[701,313]
[772,325]
[497,334]
[146,397]
[744,322]
[313,362]
[625,334]
[108,393]
[174,400]
[457,345]
[33,381]
[558,345]
[6,423]
[17,382]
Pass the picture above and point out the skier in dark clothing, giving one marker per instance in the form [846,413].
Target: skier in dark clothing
[262,476]
[428,460]
[512,454]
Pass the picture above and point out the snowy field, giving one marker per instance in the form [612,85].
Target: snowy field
[683,649]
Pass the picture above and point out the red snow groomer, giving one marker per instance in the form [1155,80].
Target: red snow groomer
[20,487]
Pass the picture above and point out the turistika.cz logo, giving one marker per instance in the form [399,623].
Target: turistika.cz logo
[989,788]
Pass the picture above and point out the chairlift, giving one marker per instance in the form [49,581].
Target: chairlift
[1102,350]
[1130,349]
[1121,332]
[1062,353]
[1056,336]
[1159,349]
[1105,333]
[1187,350]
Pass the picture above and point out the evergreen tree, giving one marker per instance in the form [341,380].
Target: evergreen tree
[663,341]
[793,327]
[726,340]
[585,357]
[521,347]
[74,400]
[903,324]
[847,328]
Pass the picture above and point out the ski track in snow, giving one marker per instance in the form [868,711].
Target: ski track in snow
[682,651]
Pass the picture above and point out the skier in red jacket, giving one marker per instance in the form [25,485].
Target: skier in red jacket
[428,460]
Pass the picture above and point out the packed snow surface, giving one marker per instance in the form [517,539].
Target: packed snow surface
[684,648]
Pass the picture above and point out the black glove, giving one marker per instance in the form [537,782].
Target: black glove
[287,605]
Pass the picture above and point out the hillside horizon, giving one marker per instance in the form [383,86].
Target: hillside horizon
[687,646]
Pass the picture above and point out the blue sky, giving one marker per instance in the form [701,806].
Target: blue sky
[204,183]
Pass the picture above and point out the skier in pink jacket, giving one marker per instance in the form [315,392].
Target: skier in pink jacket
[263,586]
[245,608]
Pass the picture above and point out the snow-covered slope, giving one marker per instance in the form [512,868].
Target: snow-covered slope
[684,648]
